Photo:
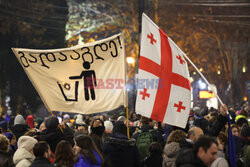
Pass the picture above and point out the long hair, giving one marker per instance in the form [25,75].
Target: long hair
[64,155]
[87,147]
[176,136]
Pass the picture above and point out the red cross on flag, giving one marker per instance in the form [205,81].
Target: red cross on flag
[161,62]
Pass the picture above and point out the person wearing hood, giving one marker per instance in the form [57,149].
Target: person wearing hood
[30,121]
[5,156]
[20,126]
[23,156]
[80,125]
[119,150]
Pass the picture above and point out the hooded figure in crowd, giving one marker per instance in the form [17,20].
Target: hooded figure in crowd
[30,121]
[20,126]
[23,156]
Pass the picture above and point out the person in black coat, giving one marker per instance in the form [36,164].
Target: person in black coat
[118,150]
[53,134]
[155,158]
[203,153]
[20,127]
[42,152]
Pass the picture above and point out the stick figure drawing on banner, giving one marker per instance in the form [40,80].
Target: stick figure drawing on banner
[89,80]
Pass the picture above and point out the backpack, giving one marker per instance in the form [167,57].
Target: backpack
[142,142]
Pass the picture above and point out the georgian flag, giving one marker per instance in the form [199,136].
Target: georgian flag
[161,62]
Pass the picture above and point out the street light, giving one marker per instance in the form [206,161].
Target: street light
[202,85]
[130,60]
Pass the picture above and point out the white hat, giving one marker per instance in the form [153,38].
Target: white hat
[122,118]
[66,116]
[26,142]
[79,120]
[108,126]
[19,120]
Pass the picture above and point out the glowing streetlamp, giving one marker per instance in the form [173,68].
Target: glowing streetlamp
[130,60]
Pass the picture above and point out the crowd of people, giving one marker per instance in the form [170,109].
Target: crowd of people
[114,141]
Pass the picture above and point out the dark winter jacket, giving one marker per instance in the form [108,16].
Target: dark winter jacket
[41,162]
[121,152]
[186,158]
[6,159]
[186,144]
[218,125]
[52,137]
[19,130]
[154,160]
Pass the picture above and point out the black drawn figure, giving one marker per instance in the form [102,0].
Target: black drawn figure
[89,80]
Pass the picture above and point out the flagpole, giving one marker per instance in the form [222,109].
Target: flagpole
[127,123]
[197,70]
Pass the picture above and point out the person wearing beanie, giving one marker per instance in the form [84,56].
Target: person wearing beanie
[66,119]
[19,120]
[5,156]
[30,121]
[108,129]
[121,118]
[24,157]
[20,126]
[80,125]
[108,126]
[79,120]
[53,134]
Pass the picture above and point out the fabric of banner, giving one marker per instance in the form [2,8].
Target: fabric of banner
[164,91]
[85,79]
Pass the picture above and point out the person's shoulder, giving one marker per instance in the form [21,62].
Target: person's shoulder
[23,163]
[186,156]
[220,162]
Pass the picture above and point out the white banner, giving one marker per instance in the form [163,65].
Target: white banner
[85,79]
